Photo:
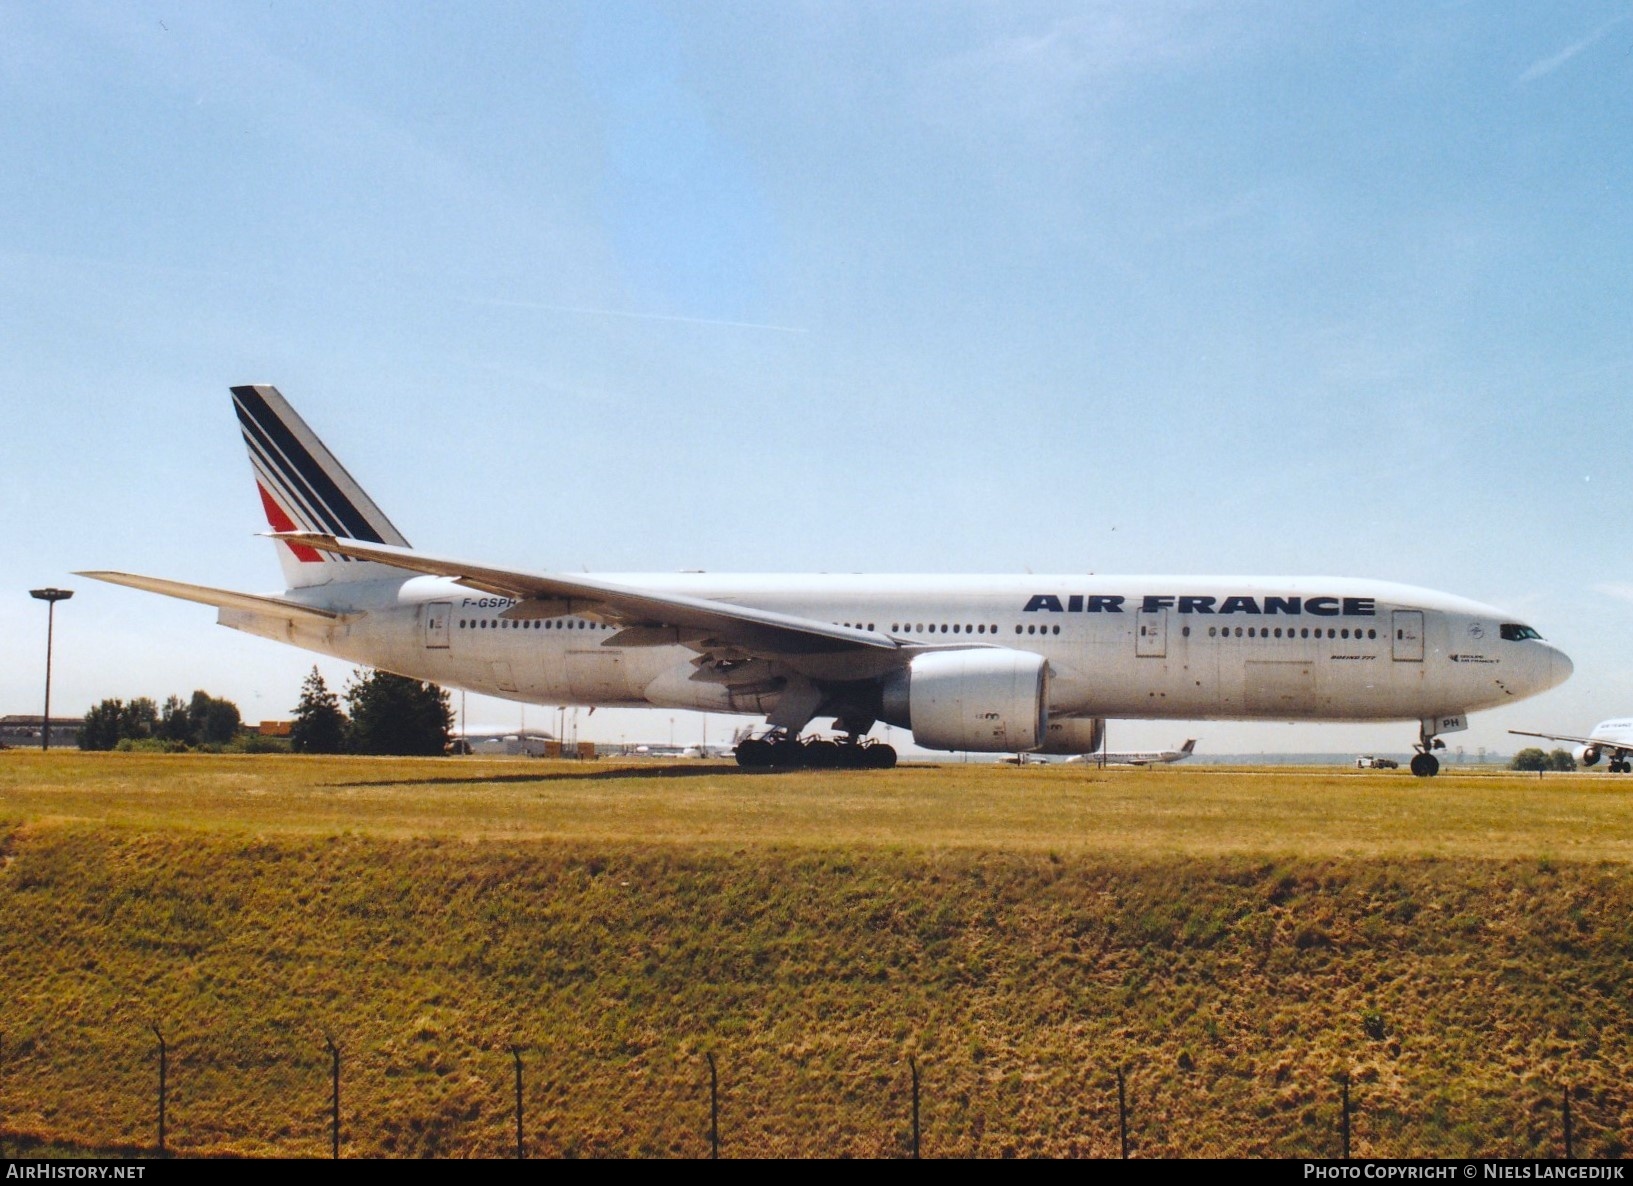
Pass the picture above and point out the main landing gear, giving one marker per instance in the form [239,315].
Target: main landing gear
[782,751]
[1424,762]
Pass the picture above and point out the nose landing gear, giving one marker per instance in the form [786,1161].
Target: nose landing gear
[1424,762]
[1425,765]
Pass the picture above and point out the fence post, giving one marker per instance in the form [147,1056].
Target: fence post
[1343,1080]
[1122,1115]
[714,1109]
[163,1067]
[913,1063]
[521,1150]
[1568,1154]
[334,1096]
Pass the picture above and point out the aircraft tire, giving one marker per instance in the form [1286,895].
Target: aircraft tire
[821,754]
[787,754]
[753,755]
[879,757]
[1425,765]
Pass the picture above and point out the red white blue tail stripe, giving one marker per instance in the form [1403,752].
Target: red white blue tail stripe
[303,487]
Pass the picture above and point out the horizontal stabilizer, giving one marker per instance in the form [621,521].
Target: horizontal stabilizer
[220,598]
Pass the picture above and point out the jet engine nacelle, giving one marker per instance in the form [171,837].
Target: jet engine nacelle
[987,701]
[1074,736]
[1586,755]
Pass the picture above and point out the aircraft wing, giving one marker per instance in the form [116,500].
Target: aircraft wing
[220,598]
[1601,742]
[758,631]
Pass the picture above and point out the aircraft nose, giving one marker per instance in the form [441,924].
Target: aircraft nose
[1559,668]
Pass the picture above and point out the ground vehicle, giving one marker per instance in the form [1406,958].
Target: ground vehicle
[1368,762]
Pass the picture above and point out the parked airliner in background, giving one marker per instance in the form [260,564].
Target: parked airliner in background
[1613,738]
[1148,757]
[993,664]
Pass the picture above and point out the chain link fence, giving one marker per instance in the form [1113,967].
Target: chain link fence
[186,1095]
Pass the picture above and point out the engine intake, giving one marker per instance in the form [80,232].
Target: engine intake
[985,701]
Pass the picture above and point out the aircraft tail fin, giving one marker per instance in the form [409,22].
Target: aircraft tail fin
[1190,744]
[304,487]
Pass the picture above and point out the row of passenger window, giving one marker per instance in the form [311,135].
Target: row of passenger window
[961,628]
[1278,632]
[1213,631]
[530,624]
[943,628]
[931,628]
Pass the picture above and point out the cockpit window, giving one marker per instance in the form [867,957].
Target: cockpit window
[1514,632]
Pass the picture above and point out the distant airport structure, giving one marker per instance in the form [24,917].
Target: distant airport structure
[497,741]
[20,729]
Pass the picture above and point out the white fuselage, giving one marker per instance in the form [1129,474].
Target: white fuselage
[1284,649]
[1150,757]
[1614,734]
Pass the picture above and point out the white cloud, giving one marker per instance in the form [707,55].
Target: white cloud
[1619,591]
[1027,76]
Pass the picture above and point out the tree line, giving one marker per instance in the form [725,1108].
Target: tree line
[1533,758]
[384,714]
[388,714]
[200,723]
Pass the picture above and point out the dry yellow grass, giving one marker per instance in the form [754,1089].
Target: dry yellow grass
[1199,810]
[1234,938]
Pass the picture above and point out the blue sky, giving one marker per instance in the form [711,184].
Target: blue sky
[1107,287]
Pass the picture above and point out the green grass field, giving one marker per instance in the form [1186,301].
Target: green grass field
[1233,938]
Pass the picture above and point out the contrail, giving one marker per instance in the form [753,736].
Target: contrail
[1550,64]
[781,329]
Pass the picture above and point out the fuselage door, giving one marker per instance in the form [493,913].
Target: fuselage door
[1407,625]
[1151,634]
[437,615]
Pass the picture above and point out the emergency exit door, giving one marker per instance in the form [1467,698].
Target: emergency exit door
[1407,632]
[437,615]
[1151,634]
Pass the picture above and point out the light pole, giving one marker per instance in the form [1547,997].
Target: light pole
[50,597]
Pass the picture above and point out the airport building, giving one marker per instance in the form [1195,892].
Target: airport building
[22,730]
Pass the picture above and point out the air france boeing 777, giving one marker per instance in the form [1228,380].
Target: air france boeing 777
[996,664]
